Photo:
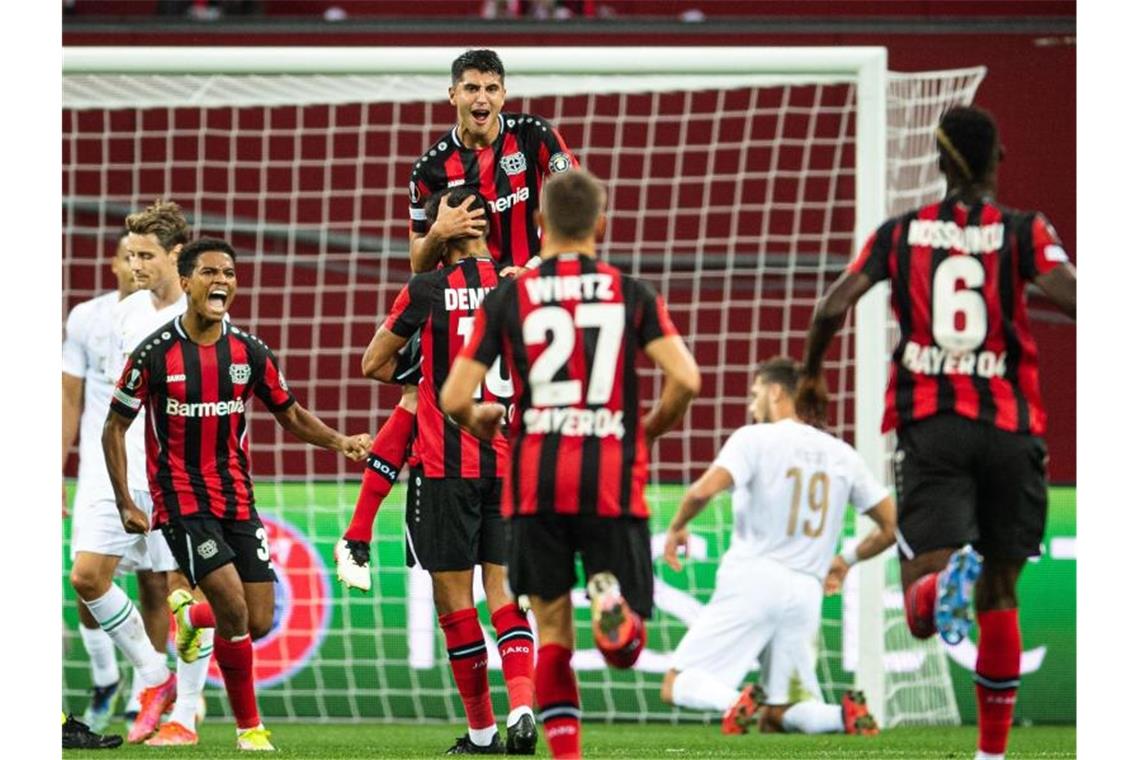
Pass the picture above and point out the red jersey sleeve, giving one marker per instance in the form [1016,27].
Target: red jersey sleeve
[1047,251]
[554,155]
[412,306]
[874,257]
[131,391]
[653,320]
[270,385]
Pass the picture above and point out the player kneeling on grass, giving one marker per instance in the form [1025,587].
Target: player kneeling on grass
[790,484]
[579,447]
[196,376]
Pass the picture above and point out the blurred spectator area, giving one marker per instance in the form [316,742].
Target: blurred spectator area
[693,10]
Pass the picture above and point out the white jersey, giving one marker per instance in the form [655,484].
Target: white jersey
[791,486]
[135,318]
[89,352]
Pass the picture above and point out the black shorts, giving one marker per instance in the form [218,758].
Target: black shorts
[454,523]
[541,551]
[965,482]
[202,544]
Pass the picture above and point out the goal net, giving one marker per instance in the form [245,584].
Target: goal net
[740,182]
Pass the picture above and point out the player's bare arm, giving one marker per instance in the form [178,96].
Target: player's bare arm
[830,312]
[1060,286]
[873,544]
[115,455]
[380,358]
[451,222]
[696,498]
[72,411]
[457,399]
[682,384]
[306,426]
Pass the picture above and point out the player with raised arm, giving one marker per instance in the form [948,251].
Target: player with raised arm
[569,333]
[963,397]
[90,368]
[453,512]
[790,486]
[505,157]
[195,376]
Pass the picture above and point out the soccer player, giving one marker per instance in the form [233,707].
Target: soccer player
[195,375]
[570,332]
[506,157]
[963,397]
[790,486]
[453,513]
[90,369]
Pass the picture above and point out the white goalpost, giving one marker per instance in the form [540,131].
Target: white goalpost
[741,182]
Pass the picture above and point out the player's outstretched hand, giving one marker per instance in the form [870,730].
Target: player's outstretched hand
[486,420]
[676,539]
[835,575]
[134,519]
[458,221]
[510,272]
[811,400]
[356,447]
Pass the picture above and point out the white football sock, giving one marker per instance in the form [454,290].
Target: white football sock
[517,713]
[191,682]
[988,756]
[814,717]
[133,704]
[698,690]
[482,737]
[119,617]
[101,652]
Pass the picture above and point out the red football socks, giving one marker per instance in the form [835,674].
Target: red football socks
[385,461]
[996,677]
[516,647]
[919,603]
[557,691]
[235,660]
[201,615]
[468,654]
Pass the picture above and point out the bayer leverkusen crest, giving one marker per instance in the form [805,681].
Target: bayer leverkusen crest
[301,610]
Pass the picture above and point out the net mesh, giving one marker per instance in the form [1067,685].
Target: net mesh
[734,198]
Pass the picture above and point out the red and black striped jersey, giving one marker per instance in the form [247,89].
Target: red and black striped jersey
[570,332]
[196,399]
[508,173]
[958,274]
[442,304]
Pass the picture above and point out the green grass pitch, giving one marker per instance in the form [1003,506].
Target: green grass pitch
[387,740]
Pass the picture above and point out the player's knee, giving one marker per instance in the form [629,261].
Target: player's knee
[88,584]
[259,625]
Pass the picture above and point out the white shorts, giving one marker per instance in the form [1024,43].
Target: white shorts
[96,528]
[759,606]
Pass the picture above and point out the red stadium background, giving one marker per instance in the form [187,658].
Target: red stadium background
[1030,87]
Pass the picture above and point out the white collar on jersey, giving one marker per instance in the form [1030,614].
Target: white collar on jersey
[459,143]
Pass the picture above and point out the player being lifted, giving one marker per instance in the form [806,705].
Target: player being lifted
[570,332]
[506,158]
[453,511]
[963,396]
[90,369]
[790,486]
[195,376]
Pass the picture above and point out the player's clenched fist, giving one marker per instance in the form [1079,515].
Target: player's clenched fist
[134,519]
[356,447]
[486,419]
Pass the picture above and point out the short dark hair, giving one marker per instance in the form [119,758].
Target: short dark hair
[571,204]
[781,370]
[483,61]
[164,220]
[967,137]
[188,256]
[455,197]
